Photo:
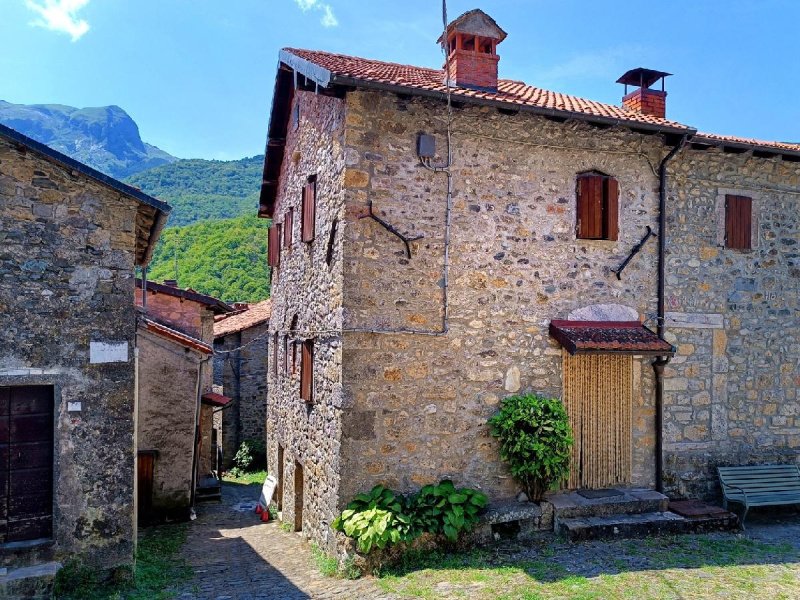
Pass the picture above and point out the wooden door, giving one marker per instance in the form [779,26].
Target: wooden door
[298,496]
[279,489]
[145,468]
[598,391]
[26,463]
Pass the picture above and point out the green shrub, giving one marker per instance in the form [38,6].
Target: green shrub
[251,456]
[535,441]
[444,509]
[383,517]
[375,519]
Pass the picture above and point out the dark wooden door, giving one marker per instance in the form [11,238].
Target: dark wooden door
[26,463]
[298,496]
[145,465]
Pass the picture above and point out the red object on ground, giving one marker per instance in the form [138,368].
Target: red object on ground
[259,510]
[265,515]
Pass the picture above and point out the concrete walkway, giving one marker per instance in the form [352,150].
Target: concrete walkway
[236,557]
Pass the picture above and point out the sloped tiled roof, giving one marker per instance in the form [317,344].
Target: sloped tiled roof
[748,142]
[176,336]
[253,315]
[621,337]
[508,92]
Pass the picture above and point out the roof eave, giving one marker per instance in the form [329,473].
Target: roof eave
[702,139]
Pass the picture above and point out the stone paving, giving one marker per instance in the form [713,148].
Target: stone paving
[236,557]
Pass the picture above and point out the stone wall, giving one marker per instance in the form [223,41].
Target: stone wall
[243,376]
[731,390]
[307,287]
[418,404]
[66,279]
[167,412]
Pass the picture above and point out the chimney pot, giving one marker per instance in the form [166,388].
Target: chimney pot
[471,42]
[643,99]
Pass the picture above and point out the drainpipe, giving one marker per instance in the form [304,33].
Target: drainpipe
[661,361]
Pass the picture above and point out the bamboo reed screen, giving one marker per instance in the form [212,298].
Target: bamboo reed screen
[598,391]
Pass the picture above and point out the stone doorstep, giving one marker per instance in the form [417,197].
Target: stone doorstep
[632,501]
[44,570]
[642,525]
[29,582]
[524,519]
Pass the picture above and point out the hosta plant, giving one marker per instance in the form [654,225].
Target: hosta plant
[444,509]
[375,519]
[535,441]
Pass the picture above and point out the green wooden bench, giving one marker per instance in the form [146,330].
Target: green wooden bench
[760,485]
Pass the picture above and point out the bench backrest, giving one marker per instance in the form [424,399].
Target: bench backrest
[762,477]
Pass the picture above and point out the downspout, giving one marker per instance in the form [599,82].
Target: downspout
[195,453]
[661,361]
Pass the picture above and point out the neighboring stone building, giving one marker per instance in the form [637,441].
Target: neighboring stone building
[176,399]
[241,341]
[70,238]
[402,314]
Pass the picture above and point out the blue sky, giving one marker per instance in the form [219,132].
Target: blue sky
[197,75]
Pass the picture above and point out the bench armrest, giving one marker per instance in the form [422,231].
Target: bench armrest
[735,487]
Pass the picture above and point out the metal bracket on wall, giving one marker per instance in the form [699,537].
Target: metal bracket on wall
[634,251]
[391,229]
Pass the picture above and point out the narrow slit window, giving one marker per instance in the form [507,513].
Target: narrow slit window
[597,207]
[738,222]
[275,356]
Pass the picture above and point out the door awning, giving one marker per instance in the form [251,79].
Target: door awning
[608,337]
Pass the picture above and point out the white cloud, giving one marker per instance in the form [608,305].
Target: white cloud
[60,15]
[328,18]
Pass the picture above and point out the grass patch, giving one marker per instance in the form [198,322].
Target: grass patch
[157,570]
[326,564]
[255,477]
[711,566]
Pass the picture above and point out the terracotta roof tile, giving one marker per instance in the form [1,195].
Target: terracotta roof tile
[732,139]
[254,315]
[621,337]
[509,92]
[179,337]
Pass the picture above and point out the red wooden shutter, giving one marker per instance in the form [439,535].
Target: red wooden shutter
[309,210]
[590,207]
[307,371]
[288,226]
[611,209]
[738,222]
[274,246]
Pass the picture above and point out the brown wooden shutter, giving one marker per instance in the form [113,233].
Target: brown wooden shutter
[307,371]
[590,207]
[274,246]
[611,212]
[738,222]
[309,210]
[288,227]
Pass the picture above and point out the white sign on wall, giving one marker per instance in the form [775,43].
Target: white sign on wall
[108,352]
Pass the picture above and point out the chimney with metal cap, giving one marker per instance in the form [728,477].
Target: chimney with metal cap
[472,41]
[643,99]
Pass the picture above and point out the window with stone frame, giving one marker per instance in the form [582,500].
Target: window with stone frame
[597,207]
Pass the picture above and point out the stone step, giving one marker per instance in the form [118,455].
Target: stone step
[642,525]
[568,505]
[34,582]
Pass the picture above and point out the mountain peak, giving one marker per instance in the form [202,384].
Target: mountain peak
[103,137]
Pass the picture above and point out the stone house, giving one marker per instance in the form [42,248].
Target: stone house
[179,423]
[438,247]
[70,239]
[241,342]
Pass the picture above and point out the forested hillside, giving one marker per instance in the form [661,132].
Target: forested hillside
[201,190]
[223,258]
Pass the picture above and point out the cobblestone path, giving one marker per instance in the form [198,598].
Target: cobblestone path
[236,557]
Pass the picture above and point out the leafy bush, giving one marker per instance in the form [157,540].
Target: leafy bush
[375,519]
[444,509]
[384,517]
[535,441]
[250,457]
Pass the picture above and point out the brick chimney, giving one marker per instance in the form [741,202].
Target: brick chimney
[643,99]
[472,41]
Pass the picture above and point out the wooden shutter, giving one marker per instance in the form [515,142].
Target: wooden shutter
[738,222]
[286,355]
[590,207]
[307,371]
[611,209]
[288,226]
[274,246]
[309,210]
